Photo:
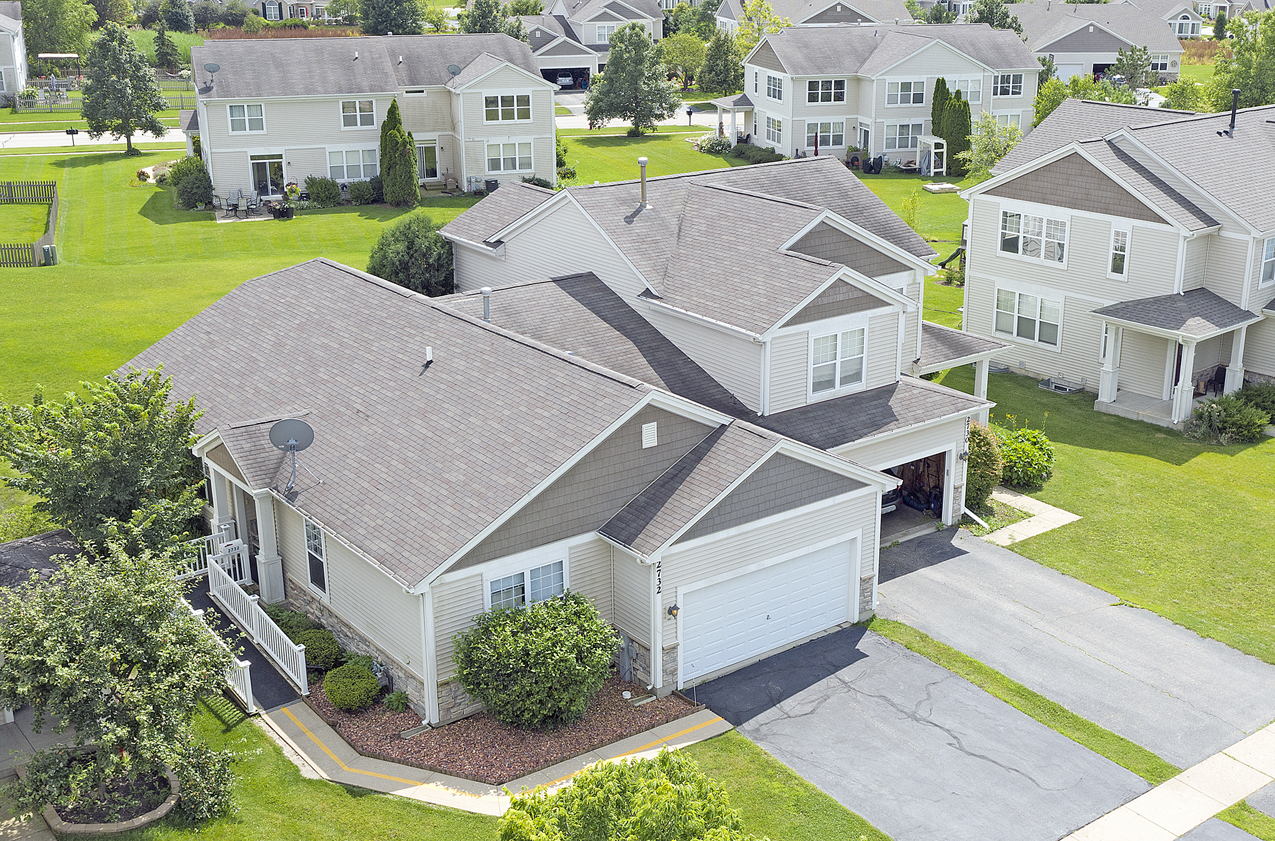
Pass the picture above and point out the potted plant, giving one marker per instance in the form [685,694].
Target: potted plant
[285,210]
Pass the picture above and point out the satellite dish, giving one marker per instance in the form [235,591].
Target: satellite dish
[212,68]
[291,434]
[453,69]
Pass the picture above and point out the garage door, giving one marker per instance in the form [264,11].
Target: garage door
[1066,71]
[751,614]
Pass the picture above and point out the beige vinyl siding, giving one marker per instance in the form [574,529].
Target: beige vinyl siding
[374,604]
[882,363]
[1259,348]
[906,446]
[733,360]
[1152,262]
[478,132]
[1228,259]
[1208,353]
[631,611]
[290,532]
[456,603]
[313,161]
[428,114]
[912,326]
[313,122]
[789,371]
[1259,296]
[1142,364]
[1196,263]
[791,532]
[589,566]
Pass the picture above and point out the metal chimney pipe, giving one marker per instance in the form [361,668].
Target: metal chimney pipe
[486,290]
[1235,104]
[642,164]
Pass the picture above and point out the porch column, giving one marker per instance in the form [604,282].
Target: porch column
[980,387]
[223,510]
[720,120]
[269,564]
[1109,379]
[1184,392]
[1235,370]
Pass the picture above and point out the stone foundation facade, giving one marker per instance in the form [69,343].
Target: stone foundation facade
[668,670]
[865,594]
[454,702]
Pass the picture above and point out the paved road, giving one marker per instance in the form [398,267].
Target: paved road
[1164,687]
[919,752]
[1217,830]
[60,139]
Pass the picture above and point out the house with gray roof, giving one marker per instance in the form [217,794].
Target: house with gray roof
[1086,39]
[573,36]
[1181,15]
[823,90]
[1109,255]
[13,52]
[820,12]
[460,464]
[280,110]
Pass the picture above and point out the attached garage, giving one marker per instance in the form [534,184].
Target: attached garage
[1066,71]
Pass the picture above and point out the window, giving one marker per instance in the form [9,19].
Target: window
[1010,118]
[1027,317]
[507,108]
[1268,262]
[247,119]
[2,87]
[828,134]
[1008,84]
[605,31]
[272,10]
[528,587]
[971,90]
[755,84]
[1160,62]
[774,130]
[902,136]
[1035,237]
[358,113]
[905,93]
[826,90]
[1119,253]
[353,164]
[836,361]
[508,157]
[774,87]
[316,555]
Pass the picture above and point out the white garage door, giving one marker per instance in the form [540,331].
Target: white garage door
[1066,71]
[743,617]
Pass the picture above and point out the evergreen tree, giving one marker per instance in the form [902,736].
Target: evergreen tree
[166,54]
[398,161]
[177,16]
[722,69]
[412,254]
[1219,25]
[380,17]
[634,86]
[121,96]
[956,131]
[938,108]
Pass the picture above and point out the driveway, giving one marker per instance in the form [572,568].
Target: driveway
[919,752]
[1158,684]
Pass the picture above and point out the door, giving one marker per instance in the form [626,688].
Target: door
[267,174]
[427,162]
[731,621]
[1066,71]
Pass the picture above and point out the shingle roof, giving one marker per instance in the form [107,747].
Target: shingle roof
[1164,8]
[494,212]
[832,423]
[11,9]
[414,461]
[19,558]
[1043,22]
[1150,186]
[796,11]
[295,66]
[1200,313]
[941,345]
[583,9]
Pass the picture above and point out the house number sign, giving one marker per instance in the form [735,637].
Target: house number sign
[659,578]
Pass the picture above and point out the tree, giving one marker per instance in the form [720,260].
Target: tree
[380,17]
[526,7]
[398,161]
[1250,67]
[683,54]
[414,255]
[1219,25]
[347,11]
[956,131]
[759,19]
[104,453]
[1134,66]
[207,14]
[939,13]
[634,87]
[722,69]
[938,105]
[148,15]
[435,17]
[177,15]
[1048,70]
[166,54]
[56,26]
[989,142]
[118,11]
[121,95]
[995,14]
[1053,92]
[693,20]
[1186,95]
[491,16]
[235,13]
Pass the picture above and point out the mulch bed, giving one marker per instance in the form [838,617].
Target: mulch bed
[482,749]
[125,799]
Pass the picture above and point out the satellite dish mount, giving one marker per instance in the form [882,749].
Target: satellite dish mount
[212,70]
[291,434]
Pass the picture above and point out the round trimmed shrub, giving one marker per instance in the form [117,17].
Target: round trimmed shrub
[983,471]
[411,253]
[324,192]
[351,687]
[321,649]
[539,666]
[1027,456]
[361,192]
[195,189]
[713,144]
[177,172]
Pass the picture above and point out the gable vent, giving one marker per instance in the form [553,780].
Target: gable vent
[649,438]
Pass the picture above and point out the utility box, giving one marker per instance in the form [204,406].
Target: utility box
[492,184]
[50,255]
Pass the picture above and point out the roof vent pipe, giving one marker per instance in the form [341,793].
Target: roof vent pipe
[486,290]
[1235,104]
[356,55]
[642,164]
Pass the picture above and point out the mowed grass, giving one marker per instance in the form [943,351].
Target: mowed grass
[23,222]
[615,158]
[939,216]
[145,41]
[1201,73]
[62,120]
[1169,524]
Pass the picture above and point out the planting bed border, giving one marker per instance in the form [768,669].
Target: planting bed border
[61,827]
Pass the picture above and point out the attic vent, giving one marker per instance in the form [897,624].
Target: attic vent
[649,438]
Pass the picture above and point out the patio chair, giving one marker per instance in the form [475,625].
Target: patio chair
[252,205]
[232,203]
[1217,383]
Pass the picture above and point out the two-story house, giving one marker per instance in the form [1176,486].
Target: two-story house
[820,12]
[870,87]
[573,37]
[1086,39]
[1181,16]
[1109,253]
[276,111]
[13,52]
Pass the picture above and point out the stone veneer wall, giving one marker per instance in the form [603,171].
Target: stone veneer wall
[865,595]
[454,702]
[669,670]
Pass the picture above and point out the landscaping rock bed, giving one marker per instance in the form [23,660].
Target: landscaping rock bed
[482,749]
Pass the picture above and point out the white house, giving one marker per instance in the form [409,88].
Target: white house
[13,51]
[572,38]
[1086,39]
[820,12]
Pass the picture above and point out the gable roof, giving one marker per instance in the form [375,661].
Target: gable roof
[329,66]
[12,11]
[1044,23]
[1199,313]
[798,11]
[1164,9]
[580,10]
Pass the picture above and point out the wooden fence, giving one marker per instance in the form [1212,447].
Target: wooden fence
[16,255]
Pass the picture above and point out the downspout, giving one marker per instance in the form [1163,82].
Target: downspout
[429,670]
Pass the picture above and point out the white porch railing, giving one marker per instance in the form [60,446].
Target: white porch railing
[238,674]
[249,615]
[206,547]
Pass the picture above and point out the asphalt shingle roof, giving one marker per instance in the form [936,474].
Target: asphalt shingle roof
[1150,186]
[584,9]
[20,558]
[1045,21]
[1164,8]
[512,201]
[1200,312]
[941,344]
[11,9]
[796,11]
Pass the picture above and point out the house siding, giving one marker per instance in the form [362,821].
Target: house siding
[837,13]
[456,603]
[1227,261]
[912,324]
[1088,39]
[733,360]
[1074,182]
[828,243]
[907,446]
[479,133]
[882,362]
[789,371]
[1196,262]
[764,58]
[840,298]
[1142,363]
[590,574]
[631,611]
[1259,349]
[374,604]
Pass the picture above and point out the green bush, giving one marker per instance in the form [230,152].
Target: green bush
[289,621]
[18,521]
[1260,396]
[411,253]
[321,649]
[667,798]
[983,471]
[206,781]
[755,154]
[1226,420]
[178,171]
[253,24]
[289,23]
[538,666]
[195,189]
[378,189]
[362,192]
[351,687]
[358,659]
[324,192]
[1028,457]
[396,702]
[713,144]
[538,181]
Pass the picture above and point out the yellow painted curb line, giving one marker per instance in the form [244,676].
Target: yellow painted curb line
[649,745]
[334,758]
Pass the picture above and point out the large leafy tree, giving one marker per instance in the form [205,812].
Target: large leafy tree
[722,69]
[491,16]
[114,10]
[1053,92]
[693,20]
[401,17]
[345,11]
[413,254]
[759,19]
[634,86]
[121,95]
[1251,65]
[989,142]
[177,15]
[995,14]
[1186,94]
[683,54]
[56,26]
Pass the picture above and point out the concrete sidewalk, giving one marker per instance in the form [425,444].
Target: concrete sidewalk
[329,756]
[61,140]
[1043,518]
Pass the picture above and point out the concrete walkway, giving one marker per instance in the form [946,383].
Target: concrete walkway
[305,736]
[60,139]
[1044,518]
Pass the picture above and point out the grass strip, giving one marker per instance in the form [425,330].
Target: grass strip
[1056,717]
[1255,823]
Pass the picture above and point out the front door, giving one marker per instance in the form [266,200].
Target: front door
[427,162]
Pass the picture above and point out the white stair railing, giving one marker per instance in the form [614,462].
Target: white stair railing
[238,673]
[261,629]
[205,547]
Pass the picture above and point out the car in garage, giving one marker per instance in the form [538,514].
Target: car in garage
[565,80]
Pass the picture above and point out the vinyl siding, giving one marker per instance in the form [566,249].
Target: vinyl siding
[882,350]
[478,133]
[907,446]
[1228,258]
[1209,354]
[429,114]
[828,243]
[290,533]
[1196,262]
[631,611]
[1074,182]
[1142,364]
[590,573]
[789,371]
[912,326]
[765,59]
[1259,348]
[733,360]
[840,298]
[456,603]
[375,605]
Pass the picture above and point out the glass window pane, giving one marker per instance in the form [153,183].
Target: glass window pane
[317,576]
[1005,300]
[825,349]
[852,343]
[1004,322]
[823,377]
[546,582]
[1049,311]
[1048,334]
[508,591]
[851,371]
[369,156]
[1026,328]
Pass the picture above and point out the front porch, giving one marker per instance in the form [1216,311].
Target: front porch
[1143,408]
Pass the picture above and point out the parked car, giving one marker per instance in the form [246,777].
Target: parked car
[566,80]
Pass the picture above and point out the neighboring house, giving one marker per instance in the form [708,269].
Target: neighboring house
[870,87]
[574,37]
[281,10]
[13,52]
[1183,20]
[1111,254]
[1086,39]
[280,110]
[819,12]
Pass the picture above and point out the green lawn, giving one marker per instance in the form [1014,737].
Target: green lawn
[23,222]
[561,111]
[59,120]
[1169,524]
[615,158]
[1201,73]
[145,41]
[614,129]
[939,216]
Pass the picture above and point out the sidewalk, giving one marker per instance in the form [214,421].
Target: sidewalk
[320,747]
[60,139]
[1044,518]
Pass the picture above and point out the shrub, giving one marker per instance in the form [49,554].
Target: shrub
[351,687]
[289,621]
[178,171]
[396,702]
[289,23]
[538,181]
[412,254]
[253,24]
[360,660]
[1226,420]
[362,192]
[324,192]
[1260,396]
[18,521]
[713,144]
[538,666]
[195,189]
[983,472]
[235,13]
[567,174]
[206,781]
[143,176]
[378,189]
[321,650]
[1028,457]
[755,154]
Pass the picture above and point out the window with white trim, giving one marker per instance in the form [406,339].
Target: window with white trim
[528,586]
[272,10]
[836,361]
[507,108]
[1268,262]
[316,557]
[509,157]
[755,76]
[1118,264]
[774,130]
[605,31]
[775,87]
[1159,62]
[1010,118]
[2,87]
[1033,237]
[247,119]
[828,134]
[1008,84]
[358,113]
[905,93]
[971,90]
[1028,317]
[826,90]
[353,164]
[903,136]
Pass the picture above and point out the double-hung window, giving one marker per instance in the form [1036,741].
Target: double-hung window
[316,557]
[826,134]
[527,586]
[1008,84]
[905,93]
[507,108]
[1010,118]
[353,164]
[836,361]
[272,10]
[247,119]
[358,113]
[605,31]
[1268,262]
[774,130]
[971,90]
[1029,317]
[1159,62]
[1118,265]
[509,157]
[903,136]
[826,90]
[1034,237]
[775,87]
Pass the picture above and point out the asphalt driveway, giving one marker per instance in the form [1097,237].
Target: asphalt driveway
[1158,684]
[919,752]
